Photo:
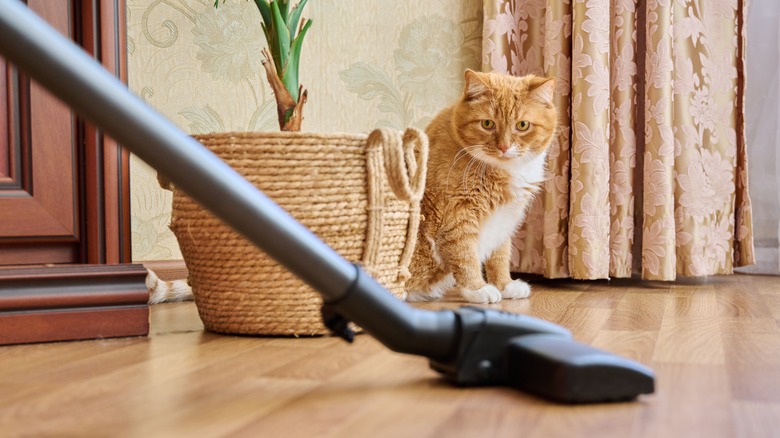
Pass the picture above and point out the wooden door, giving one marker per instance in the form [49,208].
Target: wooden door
[64,198]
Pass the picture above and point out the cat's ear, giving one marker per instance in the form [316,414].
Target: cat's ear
[475,87]
[543,89]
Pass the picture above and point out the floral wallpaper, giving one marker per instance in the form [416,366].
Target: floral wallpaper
[366,64]
[429,59]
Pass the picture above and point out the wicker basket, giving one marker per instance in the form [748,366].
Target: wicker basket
[359,193]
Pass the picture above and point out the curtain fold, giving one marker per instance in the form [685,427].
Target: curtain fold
[648,172]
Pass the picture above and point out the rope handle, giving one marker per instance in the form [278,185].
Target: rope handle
[406,160]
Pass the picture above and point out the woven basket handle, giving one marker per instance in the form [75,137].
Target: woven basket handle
[406,161]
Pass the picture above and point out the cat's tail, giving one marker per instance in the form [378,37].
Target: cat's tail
[161,291]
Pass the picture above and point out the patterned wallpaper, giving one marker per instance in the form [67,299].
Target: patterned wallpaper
[366,64]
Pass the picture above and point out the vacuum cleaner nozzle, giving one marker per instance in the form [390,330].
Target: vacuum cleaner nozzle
[499,348]
[565,371]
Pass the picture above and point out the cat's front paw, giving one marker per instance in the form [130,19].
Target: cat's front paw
[516,289]
[420,296]
[486,294]
[434,291]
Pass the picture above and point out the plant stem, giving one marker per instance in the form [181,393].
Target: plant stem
[289,111]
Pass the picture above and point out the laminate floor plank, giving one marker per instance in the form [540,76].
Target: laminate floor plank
[714,345]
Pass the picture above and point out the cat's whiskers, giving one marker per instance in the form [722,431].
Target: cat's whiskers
[485,162]
[482,172]
[461,154]
[469,183]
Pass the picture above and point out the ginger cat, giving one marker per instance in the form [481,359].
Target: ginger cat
[486,163]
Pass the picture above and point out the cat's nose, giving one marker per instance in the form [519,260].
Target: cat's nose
[503,147]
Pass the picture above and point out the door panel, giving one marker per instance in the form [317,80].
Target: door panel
[39,201]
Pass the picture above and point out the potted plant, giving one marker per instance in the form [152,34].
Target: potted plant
[285,30]
[359,193]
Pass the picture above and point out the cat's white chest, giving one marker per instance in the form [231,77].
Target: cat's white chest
[504,221]
[499,227]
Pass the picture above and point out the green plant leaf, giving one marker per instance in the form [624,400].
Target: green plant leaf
[280,50]
[288,115]
[265,11]
[284,9]
[295,16]
[290,76]
[268,37]
[267,24]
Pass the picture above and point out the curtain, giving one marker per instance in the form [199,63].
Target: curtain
[648,173]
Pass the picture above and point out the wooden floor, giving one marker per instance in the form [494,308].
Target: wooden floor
[714,345]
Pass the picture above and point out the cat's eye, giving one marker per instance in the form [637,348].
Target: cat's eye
[488,124]
[523,125]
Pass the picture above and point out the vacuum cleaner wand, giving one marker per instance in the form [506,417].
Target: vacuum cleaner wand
[471,346]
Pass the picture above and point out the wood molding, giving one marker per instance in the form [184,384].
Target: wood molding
[106,188]
[167,270]
[60,303]
[27,253]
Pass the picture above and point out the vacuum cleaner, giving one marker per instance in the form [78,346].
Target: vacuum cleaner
[470,346]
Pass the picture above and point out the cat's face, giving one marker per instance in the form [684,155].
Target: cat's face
[505,121]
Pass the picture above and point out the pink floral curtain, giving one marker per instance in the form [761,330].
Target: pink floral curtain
[648,173]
